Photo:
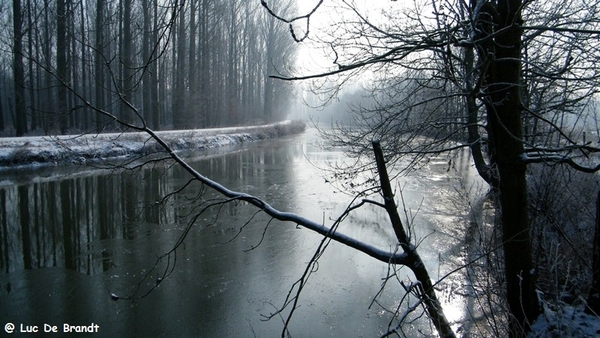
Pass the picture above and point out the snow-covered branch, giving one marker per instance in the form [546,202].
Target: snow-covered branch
[377,253]
[555,158]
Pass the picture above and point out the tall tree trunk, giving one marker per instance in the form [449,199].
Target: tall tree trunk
[2,117]
[474,137]
[179,114]
[231,101]
[204,59]
[505,130]
[61,63]
[147,49]
[414,261]
[49,82]
[19,71]
[85,85]
[192,87]
[31,51]
[126,80]
[73,69]
[593,301]
[155,71]
[267,81]
[99,60]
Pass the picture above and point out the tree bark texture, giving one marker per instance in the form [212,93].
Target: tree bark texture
[61,63]
[414,262]
[505,131]
[18,70]
[593,301]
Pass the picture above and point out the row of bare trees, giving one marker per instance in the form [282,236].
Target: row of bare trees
[186,64]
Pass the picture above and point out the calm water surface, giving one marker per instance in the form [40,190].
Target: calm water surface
[71,236]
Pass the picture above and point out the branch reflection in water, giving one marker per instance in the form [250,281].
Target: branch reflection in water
[71,236]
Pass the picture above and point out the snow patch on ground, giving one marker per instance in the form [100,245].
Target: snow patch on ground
[97,147]
[565,321]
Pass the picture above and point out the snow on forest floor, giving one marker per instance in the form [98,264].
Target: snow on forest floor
[30,150]
[565,321]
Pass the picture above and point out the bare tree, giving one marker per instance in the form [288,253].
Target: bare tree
[18,70]
[474,73]
[408,256]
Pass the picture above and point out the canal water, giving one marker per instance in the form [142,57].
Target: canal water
[83,246]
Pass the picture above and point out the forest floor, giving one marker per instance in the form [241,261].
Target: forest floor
[562,320]
[95,148]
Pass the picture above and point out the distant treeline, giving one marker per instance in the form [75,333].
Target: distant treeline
[175,64]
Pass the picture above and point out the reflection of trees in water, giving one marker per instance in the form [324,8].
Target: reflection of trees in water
[84,223]
[49,224]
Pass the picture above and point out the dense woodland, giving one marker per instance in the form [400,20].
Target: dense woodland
[181,64]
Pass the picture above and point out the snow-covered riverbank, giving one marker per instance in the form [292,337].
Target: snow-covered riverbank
[98,147]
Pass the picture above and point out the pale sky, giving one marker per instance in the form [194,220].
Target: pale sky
[313,60]
[327,14]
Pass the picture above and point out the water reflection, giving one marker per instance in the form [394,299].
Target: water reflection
[68,239]
[49,223]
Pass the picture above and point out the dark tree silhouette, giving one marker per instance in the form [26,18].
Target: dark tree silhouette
[468,72]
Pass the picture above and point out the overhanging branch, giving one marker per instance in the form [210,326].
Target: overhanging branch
[292,20]
[539,157]
[562,29]
[377,253]
[393,55]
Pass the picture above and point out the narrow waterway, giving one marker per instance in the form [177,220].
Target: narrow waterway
[72,236]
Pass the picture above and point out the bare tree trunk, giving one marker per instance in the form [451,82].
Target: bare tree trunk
[180,119]
[193,80]
[85,84]
[203,59]
[505,131]
[156,111]
[414,262]
[593,301]
[2,117]
[231,89]
[99,60]
[147,49]
[126,50]
[61,63]
[31,52]
[19,71]
[49,98]
[474,137]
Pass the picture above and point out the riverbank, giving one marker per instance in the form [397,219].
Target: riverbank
[94,148]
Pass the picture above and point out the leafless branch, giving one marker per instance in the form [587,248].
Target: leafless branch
[557,159]
[561,29]
[294,19]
